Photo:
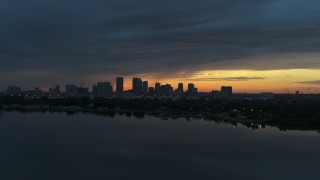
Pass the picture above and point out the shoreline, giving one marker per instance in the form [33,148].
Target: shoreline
[159,113]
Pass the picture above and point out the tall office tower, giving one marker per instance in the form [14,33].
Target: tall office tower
[100,89]
[119,84]
[95,90]
[145,86]
[108,88]
[37,91]
[103,89]
[82,91]
[71,90]
[57,89]
[157,88]
[195,90]
[137,85]
[180,87]
[151,91]
[227,90]
[166,89]
[14,91]
[190,88]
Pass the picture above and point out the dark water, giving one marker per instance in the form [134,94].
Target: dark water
[84,146]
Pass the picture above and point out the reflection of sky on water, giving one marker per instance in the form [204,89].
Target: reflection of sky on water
[85,146]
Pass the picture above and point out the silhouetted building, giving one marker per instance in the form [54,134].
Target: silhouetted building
[152,91]
[157,88]
[166,89]
[145,86]
[119,84]
[14,91]
[195,90]
[82,91]
[192,89]
[37,91]
[71,90]
[102,89]
[51,91]
[54,91]
[137,85]
[180,88]
[57,89]
[95,90]
[227,90]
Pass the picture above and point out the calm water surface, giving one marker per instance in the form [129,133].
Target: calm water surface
[86,146]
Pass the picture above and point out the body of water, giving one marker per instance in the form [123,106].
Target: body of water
[57,146]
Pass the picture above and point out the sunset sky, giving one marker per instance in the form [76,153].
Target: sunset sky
[252,45]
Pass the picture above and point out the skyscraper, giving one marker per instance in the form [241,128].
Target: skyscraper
[227,90]
[100,89]
[14,91]
[166,89]
[145,86]
[119,84]
[57,89]
[71,90]
[103,89]
[151,91]
[180,87]
[190,88]
[137,85]
[157,88]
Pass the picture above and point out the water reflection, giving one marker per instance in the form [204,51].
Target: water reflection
[170,116]
[140,146]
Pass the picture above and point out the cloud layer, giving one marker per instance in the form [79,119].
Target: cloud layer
[241,78]
[316,82]
[86,38]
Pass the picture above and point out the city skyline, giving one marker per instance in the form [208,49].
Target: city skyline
[255,46]
[203,86]
[104,88]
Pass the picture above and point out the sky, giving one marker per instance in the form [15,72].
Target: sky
[254,46]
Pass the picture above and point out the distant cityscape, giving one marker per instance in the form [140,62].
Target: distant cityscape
[105,89]
[296,110]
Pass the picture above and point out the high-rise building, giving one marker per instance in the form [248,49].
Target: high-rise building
[100,89]
[71,90]
[137,85]
[103,89]
[14,91]
[166,89]
[54,91]
[157,88]
[195,90]
[82,91]
[57,89]
[190,88]
[227,90]
[152,91]
[180,87]
[108,88]
[145,86]
[95,90]
[119,84]
[37,91]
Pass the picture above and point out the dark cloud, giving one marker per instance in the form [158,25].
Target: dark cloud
[84,38]
[228,79]
[316,82]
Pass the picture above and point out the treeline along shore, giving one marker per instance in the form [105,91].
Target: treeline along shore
[284,112]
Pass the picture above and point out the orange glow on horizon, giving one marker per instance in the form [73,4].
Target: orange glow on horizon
[242,81]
